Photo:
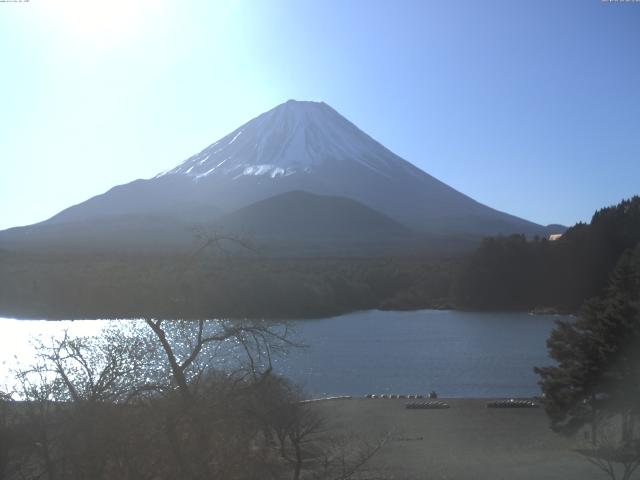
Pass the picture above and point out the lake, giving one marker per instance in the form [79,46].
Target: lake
[458,354]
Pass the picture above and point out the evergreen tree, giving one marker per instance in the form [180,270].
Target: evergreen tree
[598,355]
[516,273]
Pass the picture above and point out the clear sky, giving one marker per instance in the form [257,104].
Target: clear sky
[531,107]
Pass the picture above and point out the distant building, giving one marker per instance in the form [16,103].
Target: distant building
[554,236]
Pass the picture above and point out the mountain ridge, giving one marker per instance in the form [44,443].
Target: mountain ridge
[299,146]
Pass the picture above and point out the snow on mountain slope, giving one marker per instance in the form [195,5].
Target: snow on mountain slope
[301,146]
[293,138]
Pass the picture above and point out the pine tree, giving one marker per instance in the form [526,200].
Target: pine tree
[598,358]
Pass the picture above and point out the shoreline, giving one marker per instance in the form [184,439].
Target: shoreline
[534,313]
[425,398]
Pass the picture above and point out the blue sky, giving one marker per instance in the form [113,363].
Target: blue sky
[531,107]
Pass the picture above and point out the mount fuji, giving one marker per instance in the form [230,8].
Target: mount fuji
[298,165]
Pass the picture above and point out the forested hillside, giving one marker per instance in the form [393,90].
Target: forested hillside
[514,273]
[503,273]
[72,286]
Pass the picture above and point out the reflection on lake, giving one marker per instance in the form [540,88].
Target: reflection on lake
[459,354]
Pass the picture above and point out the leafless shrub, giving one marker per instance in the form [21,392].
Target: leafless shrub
[186,399]
[611,450]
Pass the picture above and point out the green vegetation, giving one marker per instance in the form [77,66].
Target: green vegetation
[68,286]
[504,273]
[598,355]
[513,273]
[595,381]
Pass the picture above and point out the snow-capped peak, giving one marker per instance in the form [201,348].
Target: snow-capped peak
[295,137]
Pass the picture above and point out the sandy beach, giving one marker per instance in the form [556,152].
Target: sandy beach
[466,441]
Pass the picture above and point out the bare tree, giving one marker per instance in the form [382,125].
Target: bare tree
[76,401]
[611,450]
[185,343]
[211,239]
[176,399]
[306,442]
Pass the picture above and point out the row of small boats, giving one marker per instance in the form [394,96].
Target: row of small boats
[512,403]
[426,405]
[505,403]
[376,396]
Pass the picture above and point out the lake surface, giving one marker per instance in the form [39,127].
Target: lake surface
[458,354]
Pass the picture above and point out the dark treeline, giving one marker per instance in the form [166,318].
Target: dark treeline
[87,285]
[514,273]
[503,273]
